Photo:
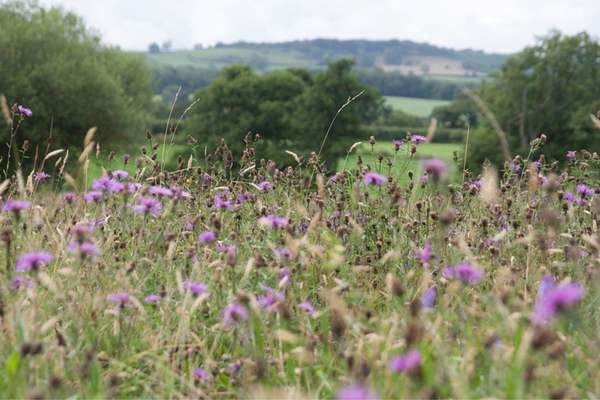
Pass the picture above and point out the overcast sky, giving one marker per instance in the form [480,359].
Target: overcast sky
[502,26]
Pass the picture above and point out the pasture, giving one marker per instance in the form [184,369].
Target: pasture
[415,106]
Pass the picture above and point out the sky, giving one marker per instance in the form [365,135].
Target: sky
[499,26]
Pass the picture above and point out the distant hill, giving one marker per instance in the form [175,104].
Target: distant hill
[404,56]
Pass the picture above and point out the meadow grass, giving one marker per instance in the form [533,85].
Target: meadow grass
[415,106]
[214,281]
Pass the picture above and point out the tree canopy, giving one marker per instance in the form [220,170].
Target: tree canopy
[291,109]
[53,64]
[550,88]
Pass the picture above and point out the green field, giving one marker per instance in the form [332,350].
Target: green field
[402,161]
[411,105]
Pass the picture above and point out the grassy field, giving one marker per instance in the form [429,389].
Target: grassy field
[411,105]
[402,161]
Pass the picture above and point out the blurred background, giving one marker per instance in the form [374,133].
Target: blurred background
[190,74]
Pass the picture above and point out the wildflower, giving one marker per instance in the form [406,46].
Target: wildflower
[206,179]
[273,221]
[514,167]
[271,299]
[197,288]
[465,272]
[584,190]
[435,168]
[283,253]
[126,158]
[201,374]
[429,297]
[406,362]
[475,185]
[152,298]
[307,306]
[21,109]
[85,249]
[207,237]
[41,177]
[33,260]
[107,184]
[21,282]
[425,255]
[265,185]
[69,197]
[244,197]
[181,194]
[234,313]
[122,299]
[120,174]
[355,392]
[397,144]
[571,155]
[93,197]
[160,191]
[222,203]
[133,187]
[16,206]
[371,178]
[332,180]
[553,299]
[418,139]
[148,205]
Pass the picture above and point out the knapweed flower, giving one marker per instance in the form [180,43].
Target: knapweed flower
[428,298]
[372,178]
[397,144]
[553,299]
[201,374]
[160,191]
[514,167]
[32,261]
[21,282]
[106,184]
[41,177]
[222,203]
[69,197]
[133,187]
[465,272]
[84,249]
[93,197]
[355,392]
[16,206]
[418,139]
[584,190]
[271,299]
[244,197]
[425,254]
[207,237]
[333,179]
[571,155]
[197,288]
[206,179]
[406,362]
[475,185]
[283,254]
[435,168]
[234,313]
[180,194]
[273,221]
[122,299]
[120,174]
[152,298]
[21,109]
[126,158]
[147,205]
[264,186]
[307,306]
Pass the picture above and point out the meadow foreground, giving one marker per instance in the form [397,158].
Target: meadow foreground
[214,281]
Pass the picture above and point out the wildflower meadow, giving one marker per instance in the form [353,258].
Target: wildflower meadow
[232,277]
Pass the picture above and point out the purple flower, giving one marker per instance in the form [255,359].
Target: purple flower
[206,179]
[307,306]
[126,158]
[152,298]
[234,313]
[475,185]
[148,205]
[332,180]
[85,249]
[160,191]
[397,144]
[584,190]
[93,197]
[197,288]
[465,272]
[201,374]
[273,221]
[428,298]
[355,392]
[271,299]
[418,139]
[106,184]
[244,197]
[41,176]
[425,255]
[69,197]
[181,194]
[571,155]
[16,206]
[265,185]
[21,109]
[514,167]
[21,282]
[435,168]
[207,237]
[133,187]
[33,260]
[372,178]
[283,253]
[120,174]
[222,203]
[553,299]
[406,362]
[122,299]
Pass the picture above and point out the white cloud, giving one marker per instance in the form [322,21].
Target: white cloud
[503,26]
